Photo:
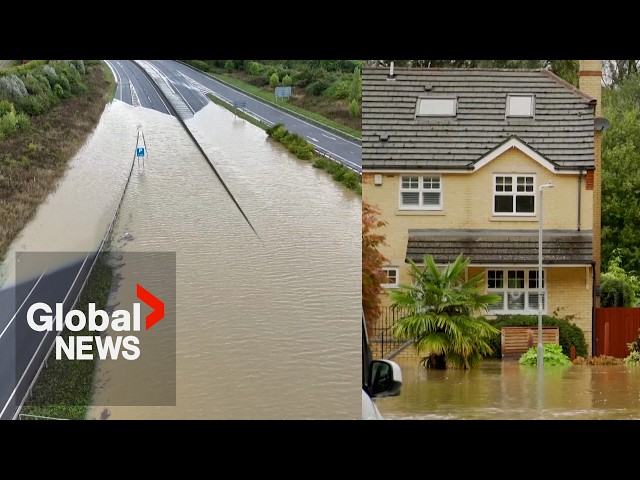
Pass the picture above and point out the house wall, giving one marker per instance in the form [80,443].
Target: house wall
[467,201]
[569,292]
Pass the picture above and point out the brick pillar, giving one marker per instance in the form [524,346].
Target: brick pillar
[590,75]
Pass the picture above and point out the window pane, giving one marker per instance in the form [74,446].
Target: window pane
[437,106]
[525,184]
[533,301]
[503,203]
[409,182]
[495,278]
[533,279]
[524,204]
[392,275]
[500,304]
[520,106]
[516,278]
[431,198]
[431,183]
[410,198]
[515,300]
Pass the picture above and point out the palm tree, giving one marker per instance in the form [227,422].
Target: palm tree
[442,311]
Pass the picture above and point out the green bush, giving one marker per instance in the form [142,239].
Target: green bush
[633,358]
[570,333]
[274,80]
[616,292]
[354,108]
[199,64]
[316,88]
[339,89]
[254,68]
[286,81]
[59,90]
[229,66]
[6,107]
[552,356]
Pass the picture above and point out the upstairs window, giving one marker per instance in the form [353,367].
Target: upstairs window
[436,107]
[514,195]
[421,192]
[520,106]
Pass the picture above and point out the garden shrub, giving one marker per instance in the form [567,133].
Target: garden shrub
[570,333]
[274,80]
[552,356]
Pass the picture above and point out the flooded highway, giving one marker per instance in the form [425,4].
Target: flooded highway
[266,326]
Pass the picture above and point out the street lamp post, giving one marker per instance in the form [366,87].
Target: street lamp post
[540,293]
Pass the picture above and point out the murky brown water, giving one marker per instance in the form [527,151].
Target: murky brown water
[507,391]
[75,216]
[266,328]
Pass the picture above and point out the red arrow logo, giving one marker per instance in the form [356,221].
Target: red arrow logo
[154,302]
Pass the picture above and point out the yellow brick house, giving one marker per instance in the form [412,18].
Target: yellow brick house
[454,158]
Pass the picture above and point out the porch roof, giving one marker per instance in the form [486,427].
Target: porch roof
[487,247]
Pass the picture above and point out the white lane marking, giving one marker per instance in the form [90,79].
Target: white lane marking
[311,138]
[273,108]
[134,96]
[166,80]
[40,344]
[22,304]
[329,137]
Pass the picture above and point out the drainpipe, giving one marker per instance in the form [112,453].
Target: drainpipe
[579,196]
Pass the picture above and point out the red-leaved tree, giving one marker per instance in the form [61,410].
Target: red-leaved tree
[372,262]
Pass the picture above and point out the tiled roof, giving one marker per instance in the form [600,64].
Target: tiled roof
[561,130]
[501,247]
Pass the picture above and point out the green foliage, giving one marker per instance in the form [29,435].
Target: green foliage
[199,64]
[339,172]
[58,90]
[294,142]
[619,288]
[32,147]
[6,107]
[570,333]
[355,88]
[552,356]
[286,81]
[254,68]
[354,108]
[633,358]
[316,88]
[229,66]
[620,176]
[443,312]
[274,80]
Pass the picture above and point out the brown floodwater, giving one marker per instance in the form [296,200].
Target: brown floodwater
[267,328]
[508,391]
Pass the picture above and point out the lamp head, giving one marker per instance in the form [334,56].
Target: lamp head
[549,184]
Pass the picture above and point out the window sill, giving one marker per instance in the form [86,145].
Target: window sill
[507,218]
[389,286]
[514,312]
[419,212]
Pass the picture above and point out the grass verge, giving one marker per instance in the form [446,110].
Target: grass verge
[270,97]
[239,113]
[34,159]
[65,388]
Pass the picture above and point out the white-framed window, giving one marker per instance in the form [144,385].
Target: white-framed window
[521,106]
[514,194]
[517,289]
[436,107]
[420,192]
[393,277]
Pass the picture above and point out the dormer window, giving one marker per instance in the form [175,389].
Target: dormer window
[522,106]
[436,107]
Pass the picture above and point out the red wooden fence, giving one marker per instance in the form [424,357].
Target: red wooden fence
[615,327]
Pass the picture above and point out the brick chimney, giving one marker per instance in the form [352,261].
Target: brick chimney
[590,75]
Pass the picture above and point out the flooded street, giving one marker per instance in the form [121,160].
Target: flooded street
[266,327]
[507,391]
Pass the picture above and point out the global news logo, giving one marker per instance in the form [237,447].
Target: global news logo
[124,325]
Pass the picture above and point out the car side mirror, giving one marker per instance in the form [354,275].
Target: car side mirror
[386,378]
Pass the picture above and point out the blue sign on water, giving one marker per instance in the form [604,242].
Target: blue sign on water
[140,152]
